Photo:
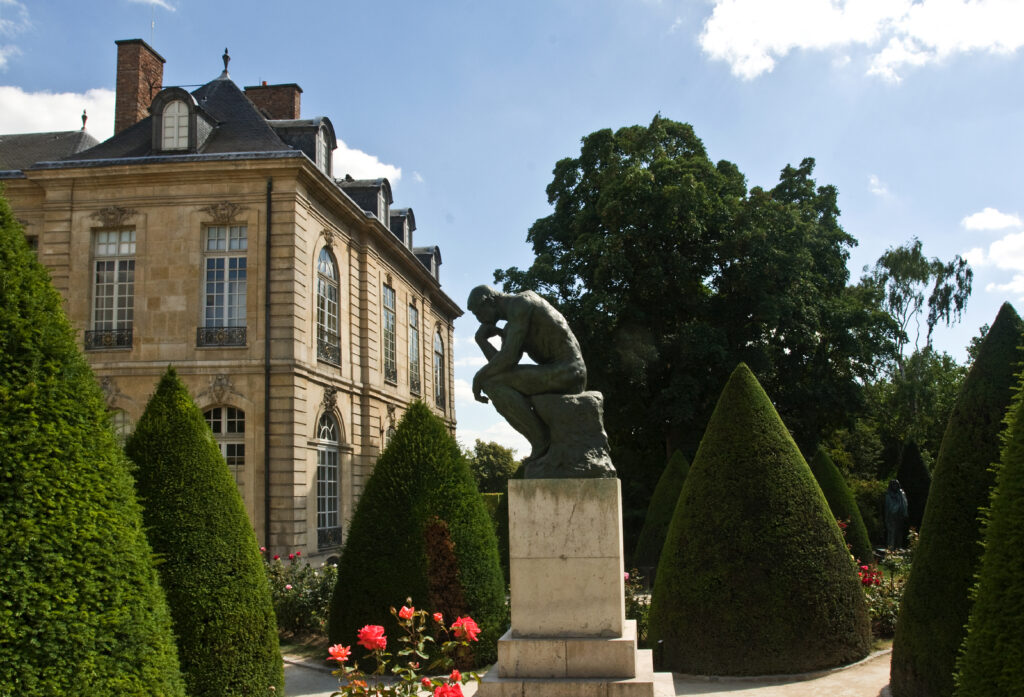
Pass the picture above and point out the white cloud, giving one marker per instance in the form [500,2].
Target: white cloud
[975,257]
[991,219]
[6,52]
[362,165]
[1014,286]
[499,432]
[417,177]
[876,186]
[1008,253]
[14,17]
[676,25]
[471,362]
[39,112]
[751,35]
[156,3]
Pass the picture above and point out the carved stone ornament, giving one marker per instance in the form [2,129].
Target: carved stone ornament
[219,390]
[110,390]
[223,212]
[114,216]
[330,237]
[330,398]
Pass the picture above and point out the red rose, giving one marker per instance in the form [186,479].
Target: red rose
[406,612]
[426,683]
[465,628]
[439,618]
[298,553]
[448,691]
[371,637]
[276,557]
[339,653]
[292,557]
[456,676]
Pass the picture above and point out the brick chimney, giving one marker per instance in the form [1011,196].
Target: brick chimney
[276,101]
[140,75]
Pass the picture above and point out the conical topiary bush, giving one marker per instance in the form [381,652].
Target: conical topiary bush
[420,531]
[992,657]
[916,480]
[936,604]
[842,504]
[659,513]
[81,610]
[210,562]
[754,577]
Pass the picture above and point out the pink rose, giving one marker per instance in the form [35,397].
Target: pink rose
[625,575]
[339,653]
[287,586]
[465,628]
[406,612]
[263,550]
[371,637]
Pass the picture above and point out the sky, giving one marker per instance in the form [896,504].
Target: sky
[913,110]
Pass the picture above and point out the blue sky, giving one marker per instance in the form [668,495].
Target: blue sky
[914,110]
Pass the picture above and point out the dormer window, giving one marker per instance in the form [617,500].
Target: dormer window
[175,126]
[323,151]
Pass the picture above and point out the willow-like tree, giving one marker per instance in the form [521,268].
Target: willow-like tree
[210,561]
[936,603]
[81,611]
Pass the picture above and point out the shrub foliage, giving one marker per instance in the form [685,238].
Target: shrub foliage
[420,526]
[211,567]
[80,604]
[754,577]
[842,504]
[916,480]
[992,660]
[659,512]
[936,603]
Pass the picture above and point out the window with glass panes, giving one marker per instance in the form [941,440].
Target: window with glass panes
[175,126]
[228,426]
[114,283]
[414,349]
[328,523]
[225,276]
[328,348]
[390,334]
[439,374]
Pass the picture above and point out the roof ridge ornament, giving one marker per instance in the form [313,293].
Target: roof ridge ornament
[227,59]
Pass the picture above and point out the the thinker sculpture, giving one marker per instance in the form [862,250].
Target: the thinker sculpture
[544,401]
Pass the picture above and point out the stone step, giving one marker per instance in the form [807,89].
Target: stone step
[647,683]
[568,657]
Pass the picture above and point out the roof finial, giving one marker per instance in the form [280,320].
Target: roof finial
[227,59]
[84,118]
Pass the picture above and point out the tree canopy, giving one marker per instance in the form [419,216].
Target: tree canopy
[491,464]
[671,272]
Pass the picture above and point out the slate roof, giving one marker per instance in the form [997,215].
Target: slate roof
[22,150]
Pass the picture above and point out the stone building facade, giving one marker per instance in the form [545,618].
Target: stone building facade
[209,234]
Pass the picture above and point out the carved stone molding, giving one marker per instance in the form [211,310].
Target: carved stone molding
[220,389]
[223,212]
[110,390]
[114,216]
[330,400]
[330,237]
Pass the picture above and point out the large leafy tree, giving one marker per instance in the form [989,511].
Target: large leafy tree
[491,464]
[670,272]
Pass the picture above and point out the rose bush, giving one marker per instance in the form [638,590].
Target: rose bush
[301,593]
[399,674]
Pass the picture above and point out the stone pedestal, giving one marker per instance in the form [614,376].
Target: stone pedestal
[569,636]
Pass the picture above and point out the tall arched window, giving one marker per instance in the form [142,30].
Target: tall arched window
[328,346]
[328,522]
[228,426]
[439,372]
[175,126]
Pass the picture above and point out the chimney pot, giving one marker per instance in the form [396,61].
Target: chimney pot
[276,101]
[140,75]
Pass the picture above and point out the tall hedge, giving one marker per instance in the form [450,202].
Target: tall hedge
[210,562]
[420,531]
[842,504]
[80,606]
[659,512]
[992,657]
[916,480]
[755,577]
[936,603]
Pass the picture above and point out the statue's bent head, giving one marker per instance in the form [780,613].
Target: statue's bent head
[481,300]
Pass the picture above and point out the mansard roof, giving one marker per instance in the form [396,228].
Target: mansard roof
[22,150]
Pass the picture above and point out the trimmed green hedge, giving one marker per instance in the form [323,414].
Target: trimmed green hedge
[81,610]
[916,480]
[210,565]
[936,605]
[992,658]
[659,513]
[420,531]
[843,505]
[755,577]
